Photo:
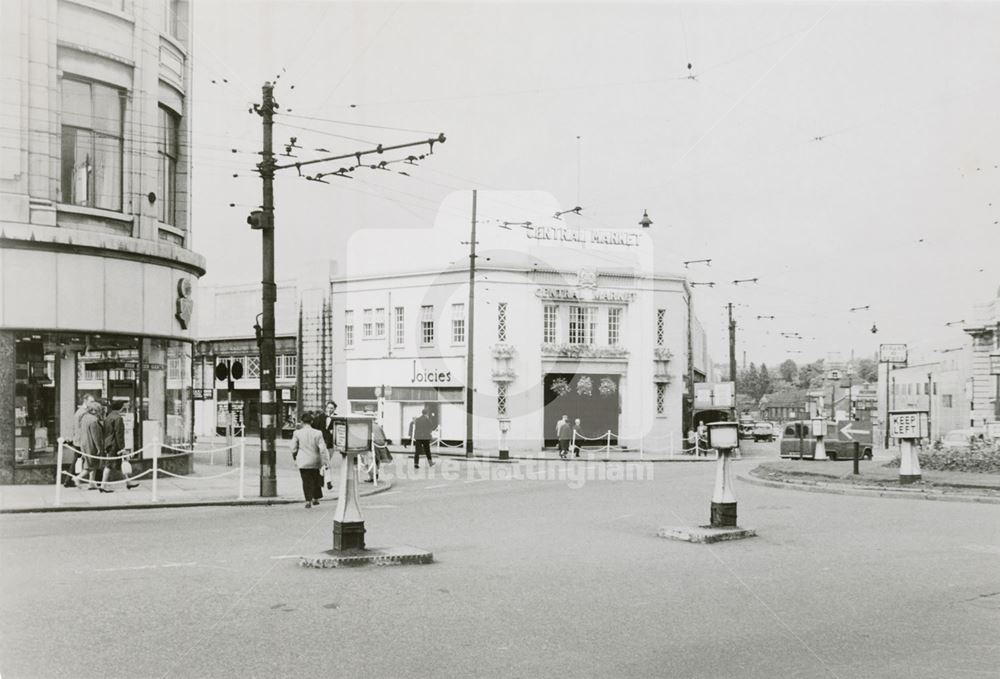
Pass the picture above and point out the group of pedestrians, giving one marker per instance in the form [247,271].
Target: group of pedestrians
[312,451]
[99,434]
[566,434]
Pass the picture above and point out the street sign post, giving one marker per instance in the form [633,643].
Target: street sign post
[908,426]
[892,353]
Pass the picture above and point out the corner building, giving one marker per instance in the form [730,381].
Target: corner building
[584,326]
[97,277]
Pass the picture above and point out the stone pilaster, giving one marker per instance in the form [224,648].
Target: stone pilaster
[6,407]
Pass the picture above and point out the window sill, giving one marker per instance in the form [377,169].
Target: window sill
[117,13]
[101,213]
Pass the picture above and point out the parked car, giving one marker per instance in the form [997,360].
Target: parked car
[763,431]
[962,438]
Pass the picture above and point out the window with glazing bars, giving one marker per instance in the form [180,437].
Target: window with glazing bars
[398,320]
[380,322]
[614,325]
[367,317]
[91,144]
[550,319]
[349,328]
[427,324]
[457,323]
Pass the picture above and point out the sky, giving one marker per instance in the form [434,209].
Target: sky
[844,154]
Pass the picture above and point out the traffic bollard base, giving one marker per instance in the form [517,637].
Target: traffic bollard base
[348,535]
[379,556]
[723,515]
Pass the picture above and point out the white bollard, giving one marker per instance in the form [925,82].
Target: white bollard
[156,459]
[909,463]
[243,450]
[59,460]
[820,453]
[607,447]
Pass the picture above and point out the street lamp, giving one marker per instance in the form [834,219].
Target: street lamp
[645,222]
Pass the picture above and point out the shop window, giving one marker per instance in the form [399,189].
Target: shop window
[427,324]
[91,145]
[550,319]
[661,321]
[348,328]
[458,324]
[169,150]
[399,319]
[502,322]
[380,323]
[614,325]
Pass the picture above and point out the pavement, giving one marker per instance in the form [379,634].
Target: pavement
[875,479]
[212,483]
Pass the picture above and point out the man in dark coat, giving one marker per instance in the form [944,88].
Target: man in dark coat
[325,423]
[114,441]
[422,428]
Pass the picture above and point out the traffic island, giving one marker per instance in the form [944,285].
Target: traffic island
[723,436]
[353,435]
[706,534]
[384,556]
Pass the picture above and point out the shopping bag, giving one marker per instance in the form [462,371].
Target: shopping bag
[328,477]
[126,467]
[78,467]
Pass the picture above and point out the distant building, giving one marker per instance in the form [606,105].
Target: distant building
[97,278]
[941,388]
[984,369]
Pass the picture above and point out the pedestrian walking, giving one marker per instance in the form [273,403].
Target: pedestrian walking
[564,431]
[702,438]
[577,434]
[92,444]
[77,437]
[310,455]
[381,452]
[422,429]
[114,442]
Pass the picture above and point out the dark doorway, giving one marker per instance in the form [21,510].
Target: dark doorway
[592,397]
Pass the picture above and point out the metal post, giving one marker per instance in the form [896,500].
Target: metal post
[471,337]
[857,451]
[243,450]
[59,461]
[607,447]
[268,404]
[156,475]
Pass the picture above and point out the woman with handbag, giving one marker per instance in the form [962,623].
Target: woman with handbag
[381,452]
[310,455]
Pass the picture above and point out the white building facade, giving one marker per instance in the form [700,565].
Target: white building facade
[571,322]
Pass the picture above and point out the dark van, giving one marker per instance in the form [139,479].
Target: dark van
[839,441]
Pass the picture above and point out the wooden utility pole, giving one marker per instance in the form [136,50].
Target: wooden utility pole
[732,345]
[470,339]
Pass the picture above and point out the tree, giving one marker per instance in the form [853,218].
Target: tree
[746,382]
[867,370]
[788,370]
[763,382]
[811,375]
